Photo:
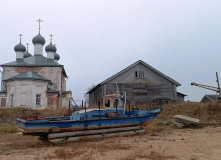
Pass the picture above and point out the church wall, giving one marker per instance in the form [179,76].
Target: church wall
[51,73]
[52,100]
[63,83]
[66,97]
[24,94]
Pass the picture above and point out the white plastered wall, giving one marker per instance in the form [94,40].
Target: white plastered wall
[24,93]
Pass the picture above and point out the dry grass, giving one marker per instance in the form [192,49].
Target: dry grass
[207,113]
[13,113]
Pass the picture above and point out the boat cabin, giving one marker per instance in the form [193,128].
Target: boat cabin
[113,100]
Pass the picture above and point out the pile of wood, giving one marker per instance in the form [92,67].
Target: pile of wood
[184,121]
[94,134]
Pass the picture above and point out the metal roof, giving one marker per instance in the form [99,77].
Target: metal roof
[181,94]
[29,75]
[33,61]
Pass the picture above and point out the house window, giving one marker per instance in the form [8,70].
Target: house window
[38,99]
[11,100]
[3,102]
[107,103]
[139,74]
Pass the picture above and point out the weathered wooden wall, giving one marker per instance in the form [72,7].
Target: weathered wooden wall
[135,93]
[151,85]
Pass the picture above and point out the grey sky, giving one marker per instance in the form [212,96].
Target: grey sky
[98,38]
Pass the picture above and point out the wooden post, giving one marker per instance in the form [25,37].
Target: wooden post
[116,107]
[85,111]
[99,105]
[69,109]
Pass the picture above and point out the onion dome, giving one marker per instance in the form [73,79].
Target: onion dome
[50,48]
[27,54]
[56,57]
[38,40]
[20,48]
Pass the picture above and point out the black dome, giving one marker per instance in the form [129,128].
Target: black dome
[38,40]
[56,56]
[27,54]
[50,48]
[20,48]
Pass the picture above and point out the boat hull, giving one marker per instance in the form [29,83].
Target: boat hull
[45,126]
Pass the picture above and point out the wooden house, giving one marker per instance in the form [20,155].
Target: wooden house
[140,82]
[210,98]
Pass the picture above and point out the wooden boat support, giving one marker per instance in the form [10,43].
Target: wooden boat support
[92,134]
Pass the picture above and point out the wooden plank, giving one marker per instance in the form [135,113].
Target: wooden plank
[188,120]
[71,139]
[178,124]
[93,132]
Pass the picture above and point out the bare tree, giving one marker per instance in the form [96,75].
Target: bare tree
[86,96]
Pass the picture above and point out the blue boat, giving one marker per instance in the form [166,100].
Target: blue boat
[81,120]
[108,117]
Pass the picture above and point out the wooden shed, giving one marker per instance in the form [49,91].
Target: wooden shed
[210,98]
[141,83]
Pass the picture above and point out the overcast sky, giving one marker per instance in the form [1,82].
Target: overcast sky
[98,38]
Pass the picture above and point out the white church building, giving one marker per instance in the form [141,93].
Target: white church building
[34,81]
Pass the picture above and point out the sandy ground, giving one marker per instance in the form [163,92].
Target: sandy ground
[181,144]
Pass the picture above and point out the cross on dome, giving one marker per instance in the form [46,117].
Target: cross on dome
[39,21]
[20,35]
[27,46]
[51,35]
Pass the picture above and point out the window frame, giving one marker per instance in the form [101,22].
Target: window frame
[38,100]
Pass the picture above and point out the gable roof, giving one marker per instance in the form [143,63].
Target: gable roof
[131,66]
[29,75]
[34,61]
[211,97]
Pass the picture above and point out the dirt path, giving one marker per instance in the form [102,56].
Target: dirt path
[180,144]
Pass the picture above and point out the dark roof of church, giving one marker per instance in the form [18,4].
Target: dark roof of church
[30,75]
[33,61]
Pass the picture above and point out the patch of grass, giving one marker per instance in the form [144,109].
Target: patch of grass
[11,129]
[207,113]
